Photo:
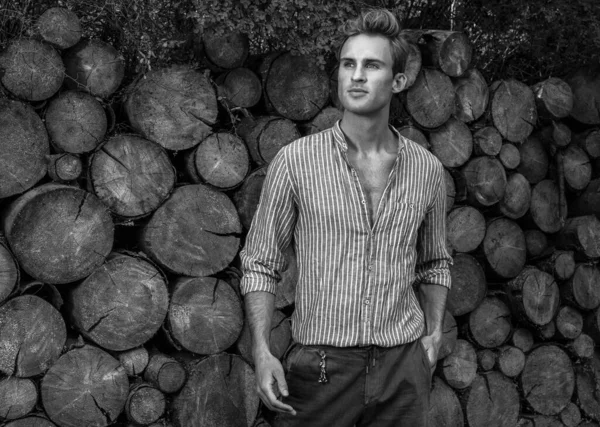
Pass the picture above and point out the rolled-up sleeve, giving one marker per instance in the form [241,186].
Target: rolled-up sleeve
[271,230]
[433,258]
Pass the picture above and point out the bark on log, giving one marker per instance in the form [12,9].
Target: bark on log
[239,88]
[219,393]
[279,339]
[266,135]
[588,202]
[221,160]
[450,51]
[548,380]
[569,323]
[174,107]
[510,361]
[18,397]
[582,235]
[469,285]
[9,272]
[533,160]
[205,315]
[165,373]
[247,196]
[21,127]
[513,109]
[585,84]
[492,399]
[459,368]
[76,122]
[486,180]
[545,207]
[32,70]
[509,156]
[472,96]
[430,100]
[452,143]
[145,404]
[58,233]
[60,27]
[504,247]
[589,140]
[487,141]
[225,49]
[517,197]
[490,324]
[64,168]
[134,361]
[195,232]
[444,406]
[553,98]
[582,289]
[560,264]
[86,386]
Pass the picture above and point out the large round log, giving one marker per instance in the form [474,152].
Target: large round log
[452,143]
[9,271]
[450,51]
[553,98]
[225,49]
[486,180]
[196,232]
[504,247]
[469,286]
[533,160]
[517,197]
[444,406]
[145,404]
[459,368]
[544,208]
[174,107]
[472,95]
[58,233]
[24,147]
[585,85]
[239,88]
[205,315]
[548,380]
[534,296]
[266,135]
[279,338]
[32,70]
[85,387]
[166,373]
[296,87]
[582,289]
[121,305]
[131,175]
[221,160]
[465,229]
[492,400]
[18,397]
[94,66]
[513,109]
[430,100]
[490,323]
[582,235]
[76,122]
[59,27]
[33,334]
[220,392]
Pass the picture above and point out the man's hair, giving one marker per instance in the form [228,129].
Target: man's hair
[378,22]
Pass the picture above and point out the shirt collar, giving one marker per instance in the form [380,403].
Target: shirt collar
[340,139]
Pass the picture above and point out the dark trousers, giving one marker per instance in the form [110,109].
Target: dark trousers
[357,386]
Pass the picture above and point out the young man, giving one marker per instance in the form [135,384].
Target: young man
[366,210]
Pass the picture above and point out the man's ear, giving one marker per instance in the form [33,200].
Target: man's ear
[399,82]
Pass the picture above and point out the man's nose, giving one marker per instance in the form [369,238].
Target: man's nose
[358,74]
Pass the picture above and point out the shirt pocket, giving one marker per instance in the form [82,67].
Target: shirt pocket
[405,221]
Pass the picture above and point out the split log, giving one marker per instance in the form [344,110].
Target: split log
[522,338]
[588,202]
[145,404]
[430,100]
[33,334]
[205,315]
[486,180]
[21,127]
[86,386]
[325,119]
[32,70]
[534,296]
[585,84]
[472,96]
[569,323]
[60,27]
[296,87]
[459,368]
[581,347]
[536,242]
[65,167]
[134,361]
[444,406]
[560,264]
[545,207]
[548,380]
[221,160]
[94,66]
[510,360]
[195,232]
[577,167]
[571,415]
[487,141]
[9,272]
[239,87]
[553,98]
[492,399]
[225,49]
[452,143]
[469,285]
[489,325]
[517,197]
[504,247]
[266,135]
[165,373]
[18,397]
[174,107]
[58,233]
[220,392]
[31,421]
[279,339]
[533,160]
[247,196]
[589,140]
[414,134]
[121,305]
[513,109]
[486,359]
[450,51]
[76,122]
[449,335]
[582,235]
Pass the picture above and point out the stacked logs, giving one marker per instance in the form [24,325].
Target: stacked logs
[119,286]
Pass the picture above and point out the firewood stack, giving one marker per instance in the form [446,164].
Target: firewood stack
[119,285]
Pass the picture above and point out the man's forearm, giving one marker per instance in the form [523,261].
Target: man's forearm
[259,312]
[433,303]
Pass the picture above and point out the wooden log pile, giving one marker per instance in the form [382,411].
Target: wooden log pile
[119,277]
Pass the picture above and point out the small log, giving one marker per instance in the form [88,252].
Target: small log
[509,156]
[571,415]
[545,207]
[582,235]
[486,359]
[588,202]
[32,70]
[64,168]
[221,160]
[534,296]
[225,49]
[33,334]
[489,324]
[266,135]
[195,232]
[513,109]
[487,141]
[449,335]
[578,168]
[76,122]
[247,196]
[58,233]
[450,51]
[174,107]
[86,386]
[279,339]
[165,373]
[205,315]
[548,380]
[472,96]
[430,100]
[556,135]
[21,127]
[134,361]
[581,347]
[585,85]
[569,323]
[522,338]
[589,140]
[450,190]
[460,367]
[560,264]
[414,134]
[325,119]
[536,242]
[95,67]
[517,197]
[492,399]
[553,98]
[444,406]
[9,272]
[546,332]
[60,27]
[504,247]
[469,286]
[486,180]
[534,160]
[220,392]
[18,397]
[239,87]
[581,289]
[452,143]
[510,361]
[145,404]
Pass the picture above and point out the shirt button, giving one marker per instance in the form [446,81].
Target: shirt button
[370,267]
[367,301]
[363,202]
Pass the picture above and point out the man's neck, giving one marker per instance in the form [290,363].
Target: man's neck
[367,134]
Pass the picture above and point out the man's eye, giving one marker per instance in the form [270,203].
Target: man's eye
[348,64]
[372,66]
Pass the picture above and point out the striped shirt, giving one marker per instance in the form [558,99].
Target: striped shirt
[355,280]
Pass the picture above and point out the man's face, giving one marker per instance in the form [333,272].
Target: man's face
[366,80]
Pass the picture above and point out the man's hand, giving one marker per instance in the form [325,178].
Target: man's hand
[270,382]
[432,344]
